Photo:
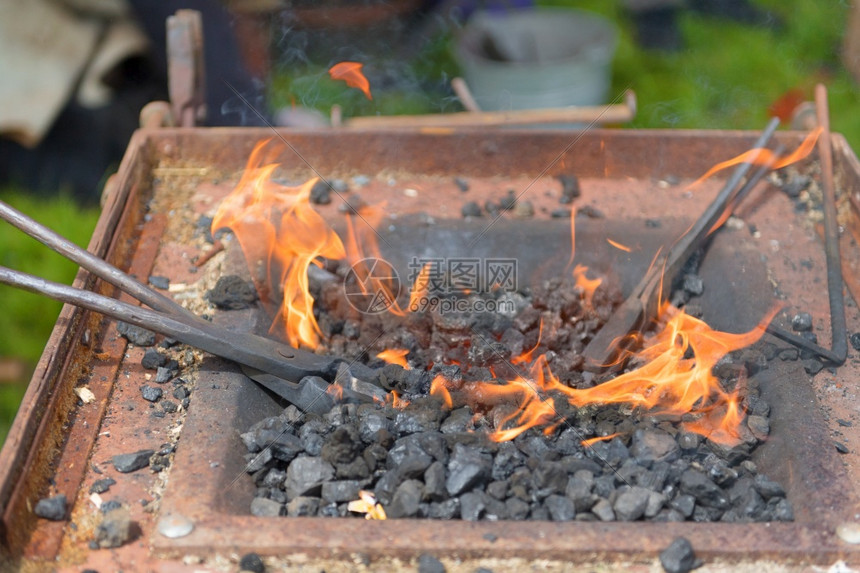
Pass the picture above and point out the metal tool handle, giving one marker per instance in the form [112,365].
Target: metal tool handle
[245,348]
[93,264]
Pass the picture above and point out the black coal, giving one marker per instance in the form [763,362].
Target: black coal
[423,460]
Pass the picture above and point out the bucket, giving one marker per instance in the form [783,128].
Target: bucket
[536,58]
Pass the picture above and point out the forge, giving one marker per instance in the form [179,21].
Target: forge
[192,506]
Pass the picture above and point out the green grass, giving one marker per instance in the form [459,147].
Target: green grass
[26,320]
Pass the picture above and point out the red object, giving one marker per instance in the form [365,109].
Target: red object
[350,72]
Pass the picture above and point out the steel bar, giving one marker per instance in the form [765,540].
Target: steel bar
[839,339]
[644,302]
[92,263]
[245,348]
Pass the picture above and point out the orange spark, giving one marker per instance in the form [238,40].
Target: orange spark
[351,73]
[619,246]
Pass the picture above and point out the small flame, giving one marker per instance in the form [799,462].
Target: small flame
[396,401]
[277,227]
[351,73]
[591,441]
[362,252]
[528,355]
[395,356]
[439,388]
[759,156]
[421,287]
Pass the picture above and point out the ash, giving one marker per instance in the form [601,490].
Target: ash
[422,459]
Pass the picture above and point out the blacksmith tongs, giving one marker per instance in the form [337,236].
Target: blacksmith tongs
[298,376]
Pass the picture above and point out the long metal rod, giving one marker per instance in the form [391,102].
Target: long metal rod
[839,338]
[93,264]
[242,347]
[643,303]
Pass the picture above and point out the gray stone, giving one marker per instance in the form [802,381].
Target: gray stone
[115,529]
[703,489]
[603,510]
[560,508]
[252,563]
[429,564]
[516,508]
[472,505]
[151,393]
[434,482]
[630,505]
[549,478]
[152,359]
[651,446]
[262,507]
[303,506]
[471,209]
[467,468]
[340,491]
[102,485]
[406,499]
[683,504]
[802,322]
[579,491]
[448,509]
[305,476]
[767,488]
[164,374]
[127,463]
[53,508]
[135,334]
[679,557]
[759,426]
[370,424]
[656,501]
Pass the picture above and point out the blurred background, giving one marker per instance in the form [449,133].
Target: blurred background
[76,74]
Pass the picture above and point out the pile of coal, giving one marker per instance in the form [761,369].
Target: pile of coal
[422,460]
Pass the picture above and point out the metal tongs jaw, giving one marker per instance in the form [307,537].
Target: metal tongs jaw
[606,349]
[289,372]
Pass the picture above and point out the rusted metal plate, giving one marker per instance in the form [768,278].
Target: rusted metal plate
[623,173]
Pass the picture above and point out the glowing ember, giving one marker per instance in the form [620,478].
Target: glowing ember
[351,73]
[279,230]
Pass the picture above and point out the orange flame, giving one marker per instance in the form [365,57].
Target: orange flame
[619,246]
[421,288]
[528,355]
[351,73]
[395,356]
[675,378]
[362,252]
[278,229]
[439,388]
[760,156]
[590,441]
